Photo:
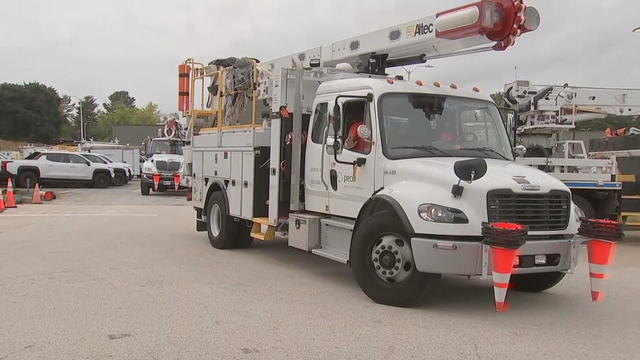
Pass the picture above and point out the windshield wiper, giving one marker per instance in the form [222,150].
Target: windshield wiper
[430,148]
[487,150]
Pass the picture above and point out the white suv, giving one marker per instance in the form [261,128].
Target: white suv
[58,167]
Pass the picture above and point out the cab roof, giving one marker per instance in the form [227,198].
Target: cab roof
[381,85]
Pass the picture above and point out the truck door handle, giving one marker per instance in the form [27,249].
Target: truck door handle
[333,177]
[245,183]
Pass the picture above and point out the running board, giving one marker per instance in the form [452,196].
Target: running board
[258,234]
[332,255]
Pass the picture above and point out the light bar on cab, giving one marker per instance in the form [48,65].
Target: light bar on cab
[499,20]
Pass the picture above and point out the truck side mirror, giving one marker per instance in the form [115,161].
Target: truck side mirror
[520,150]
[336,119]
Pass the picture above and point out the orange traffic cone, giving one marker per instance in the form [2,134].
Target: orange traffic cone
[601,250]
[504,239]
[176,181]
[156,181]
[48,196]
[37,196]
[11,200]
[1,202]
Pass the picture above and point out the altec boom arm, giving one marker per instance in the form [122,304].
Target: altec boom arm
[481,26]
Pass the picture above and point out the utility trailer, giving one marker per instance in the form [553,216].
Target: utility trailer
[391,177]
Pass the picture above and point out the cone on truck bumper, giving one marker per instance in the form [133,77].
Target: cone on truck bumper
[504,240]
[603,236]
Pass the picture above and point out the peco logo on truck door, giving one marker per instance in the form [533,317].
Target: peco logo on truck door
[419,29]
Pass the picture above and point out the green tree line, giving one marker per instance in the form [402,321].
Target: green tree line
[38,113]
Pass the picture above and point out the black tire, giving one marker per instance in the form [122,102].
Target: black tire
[535,282]
[144,189]
[244,235]
[540,152]
[162,188]
[101,180]
[585,206]
[411,285]
[223,230]
[27,178]
[119,179]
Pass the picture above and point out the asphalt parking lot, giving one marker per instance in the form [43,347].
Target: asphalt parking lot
[109,274]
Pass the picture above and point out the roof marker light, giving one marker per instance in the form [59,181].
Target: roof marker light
[436,84]
[476,89]
[391,81]
[454,86]
[419,83]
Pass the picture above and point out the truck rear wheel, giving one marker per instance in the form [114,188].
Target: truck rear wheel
[382,262]
[223,230]
[100,180]
[535,282]
[585,209]
[144,188]
[27,178]
[119,179]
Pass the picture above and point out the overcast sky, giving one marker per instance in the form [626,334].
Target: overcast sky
[86,47]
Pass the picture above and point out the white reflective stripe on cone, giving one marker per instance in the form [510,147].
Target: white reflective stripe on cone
[500,293]
[597,284]
[598,269]
[500,277]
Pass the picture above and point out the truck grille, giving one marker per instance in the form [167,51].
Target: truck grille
[171,166]
[541,212]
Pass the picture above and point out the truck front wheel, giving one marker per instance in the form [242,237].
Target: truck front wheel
[535,282]
[222,229]
[383,265]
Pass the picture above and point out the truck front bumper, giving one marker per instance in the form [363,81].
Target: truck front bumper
[472,258]
[165,180]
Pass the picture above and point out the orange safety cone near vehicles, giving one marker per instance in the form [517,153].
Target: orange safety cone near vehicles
[393,178]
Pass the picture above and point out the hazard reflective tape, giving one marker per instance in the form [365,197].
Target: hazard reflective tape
[501,277]
[500,293]
[598,269]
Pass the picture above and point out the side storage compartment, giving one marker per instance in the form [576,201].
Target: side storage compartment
[247,184]
[234,189]
[222,160]
[304,231]
[198,177]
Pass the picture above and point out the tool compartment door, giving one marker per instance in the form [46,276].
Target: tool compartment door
[247,184]
[234,189]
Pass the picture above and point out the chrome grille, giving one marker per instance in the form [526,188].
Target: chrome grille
[171,166]
[541,212]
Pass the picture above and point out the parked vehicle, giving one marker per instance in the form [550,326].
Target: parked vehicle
[120,173]
[129,168]
[57,167]
[164,162]
[391,177]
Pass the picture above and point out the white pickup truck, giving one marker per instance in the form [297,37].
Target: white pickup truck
[57,167]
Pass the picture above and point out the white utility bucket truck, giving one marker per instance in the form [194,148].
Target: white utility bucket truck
[393,178]
[543,112]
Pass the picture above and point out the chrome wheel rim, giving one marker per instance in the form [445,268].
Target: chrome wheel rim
[215,220]
[392,259]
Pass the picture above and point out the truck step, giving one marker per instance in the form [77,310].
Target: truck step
[256,229]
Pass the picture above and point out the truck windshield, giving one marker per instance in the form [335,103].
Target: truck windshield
[165,147]
[423,125]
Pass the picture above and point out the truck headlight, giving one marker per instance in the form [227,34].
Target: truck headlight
[442,214]
[148,168]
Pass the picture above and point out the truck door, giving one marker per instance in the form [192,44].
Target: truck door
[316,161]
[349,189]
